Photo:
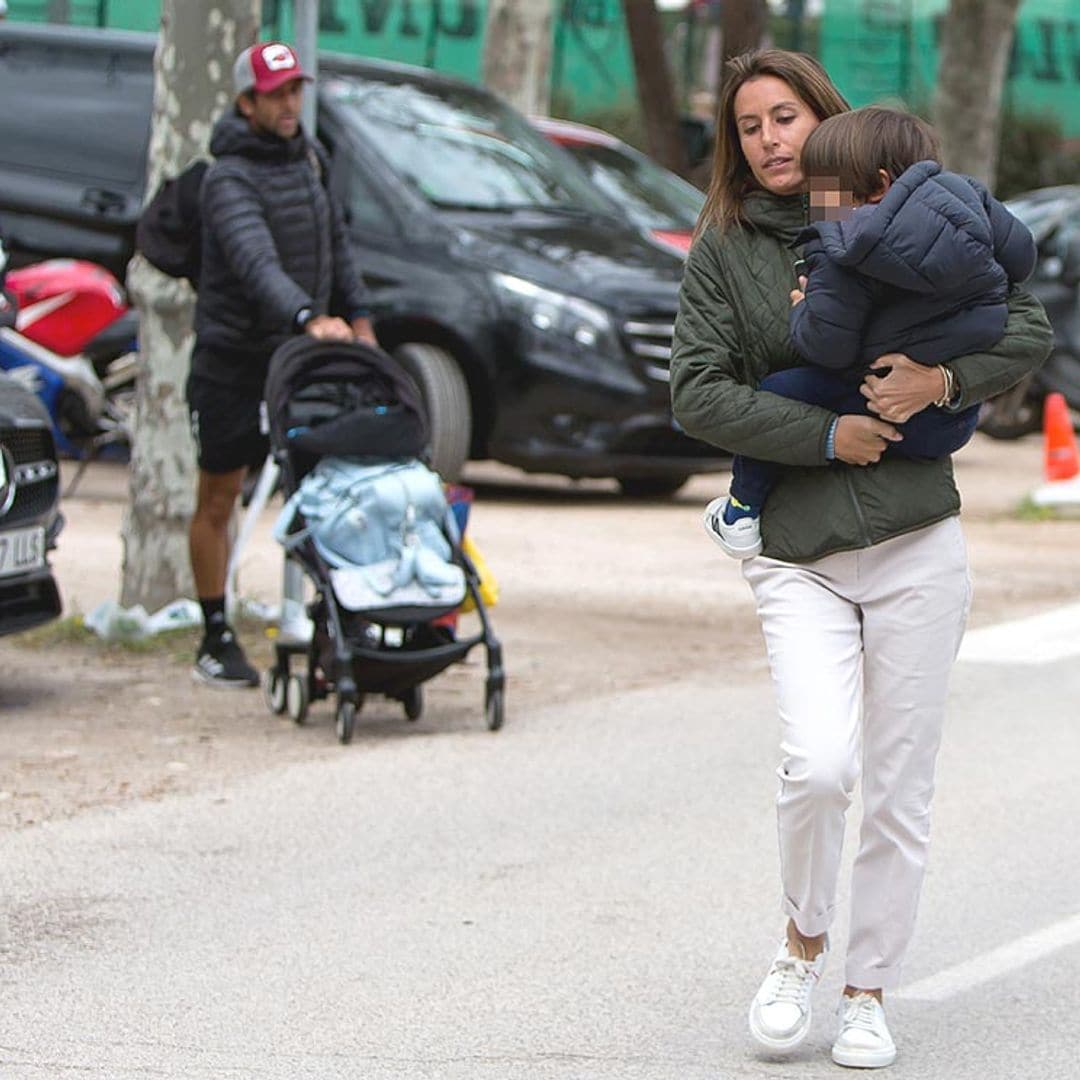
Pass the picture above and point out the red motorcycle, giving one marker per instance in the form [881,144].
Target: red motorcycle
[74,339]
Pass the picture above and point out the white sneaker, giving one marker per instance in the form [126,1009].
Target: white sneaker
[741,539]
[864,1041]
[780,1011]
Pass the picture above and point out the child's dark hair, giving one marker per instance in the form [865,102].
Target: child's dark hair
[853,146]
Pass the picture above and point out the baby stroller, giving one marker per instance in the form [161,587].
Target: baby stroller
[378,629]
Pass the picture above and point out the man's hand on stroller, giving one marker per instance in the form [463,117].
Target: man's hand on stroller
[363,331]
[329,328]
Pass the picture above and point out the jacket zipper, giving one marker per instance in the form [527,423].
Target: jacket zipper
[315,181]
[860,518]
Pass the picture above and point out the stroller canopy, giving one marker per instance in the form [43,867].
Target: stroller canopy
[342,398]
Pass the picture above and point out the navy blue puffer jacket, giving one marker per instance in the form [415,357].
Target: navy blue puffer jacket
[274,241]
[924,272]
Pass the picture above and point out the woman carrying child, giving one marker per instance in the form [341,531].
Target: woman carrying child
[862,583]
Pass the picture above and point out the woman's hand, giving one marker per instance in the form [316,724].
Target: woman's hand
[861,440]
[907,389]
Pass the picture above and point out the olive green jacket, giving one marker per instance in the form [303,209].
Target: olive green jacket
[732,331]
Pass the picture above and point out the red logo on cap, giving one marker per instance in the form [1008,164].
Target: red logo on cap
[278,58]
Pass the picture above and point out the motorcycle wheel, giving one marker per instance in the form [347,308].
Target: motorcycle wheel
[1015,413]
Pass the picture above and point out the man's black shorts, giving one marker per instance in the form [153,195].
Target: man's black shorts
[225,425]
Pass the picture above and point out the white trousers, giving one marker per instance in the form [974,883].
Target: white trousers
[860,646]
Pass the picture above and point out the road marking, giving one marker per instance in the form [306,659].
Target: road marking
[1037,639]
[994,964]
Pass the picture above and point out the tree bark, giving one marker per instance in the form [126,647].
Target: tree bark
[745,25]
[198,42]
[656,94]
[517,53]
[976,42]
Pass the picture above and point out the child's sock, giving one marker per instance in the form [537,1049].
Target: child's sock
[734,510]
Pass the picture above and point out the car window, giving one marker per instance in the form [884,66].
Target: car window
[654,197]
[460,148]
[364,205]
[53,125]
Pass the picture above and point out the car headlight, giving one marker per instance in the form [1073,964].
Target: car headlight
[568,317]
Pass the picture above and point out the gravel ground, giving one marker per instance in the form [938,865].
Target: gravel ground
[597,593]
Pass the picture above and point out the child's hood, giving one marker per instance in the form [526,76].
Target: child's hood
[930,231]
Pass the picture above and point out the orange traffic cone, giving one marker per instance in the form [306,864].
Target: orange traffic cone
[1059,440]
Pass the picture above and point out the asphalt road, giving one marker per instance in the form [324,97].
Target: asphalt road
[589,894]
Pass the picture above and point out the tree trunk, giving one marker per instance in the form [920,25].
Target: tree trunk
[656,93]
[193,63]
[517,53]
[745,24]
[976,41]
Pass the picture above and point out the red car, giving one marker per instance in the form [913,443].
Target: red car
[664,205]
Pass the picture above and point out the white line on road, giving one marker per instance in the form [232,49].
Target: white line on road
[998,962]
[1037,639]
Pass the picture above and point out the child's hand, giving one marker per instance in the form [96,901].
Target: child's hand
[797,296]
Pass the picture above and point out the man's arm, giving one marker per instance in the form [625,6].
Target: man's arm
[232,211]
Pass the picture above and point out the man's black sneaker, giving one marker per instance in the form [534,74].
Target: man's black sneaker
[222,663]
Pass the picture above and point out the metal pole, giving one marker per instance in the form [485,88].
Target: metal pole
[306,34]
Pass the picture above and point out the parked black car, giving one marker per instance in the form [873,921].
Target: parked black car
[1053,216]
[29,517]
[535,318]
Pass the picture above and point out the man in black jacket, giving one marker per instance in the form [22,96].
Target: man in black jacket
[275,262]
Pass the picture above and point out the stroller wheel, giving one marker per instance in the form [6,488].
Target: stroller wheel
[273,685]
[344,721]
[296,698]
[494,707]
[413,700]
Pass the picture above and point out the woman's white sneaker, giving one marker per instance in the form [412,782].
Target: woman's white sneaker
[864,1041]
[780,1011]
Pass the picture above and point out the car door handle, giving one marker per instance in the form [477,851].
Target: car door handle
[103,201]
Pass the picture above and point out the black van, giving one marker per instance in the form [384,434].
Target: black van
[536,320]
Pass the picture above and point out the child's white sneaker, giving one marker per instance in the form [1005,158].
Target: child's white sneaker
[864,1041]
[741,539]
[780,1011]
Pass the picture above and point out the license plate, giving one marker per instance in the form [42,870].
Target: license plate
[22,550]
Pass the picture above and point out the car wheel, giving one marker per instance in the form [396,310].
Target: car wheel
[651,487]
[446,398]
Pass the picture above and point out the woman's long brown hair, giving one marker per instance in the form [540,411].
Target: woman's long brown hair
[731,175]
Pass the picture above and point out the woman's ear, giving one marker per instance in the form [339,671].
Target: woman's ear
[886,183]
